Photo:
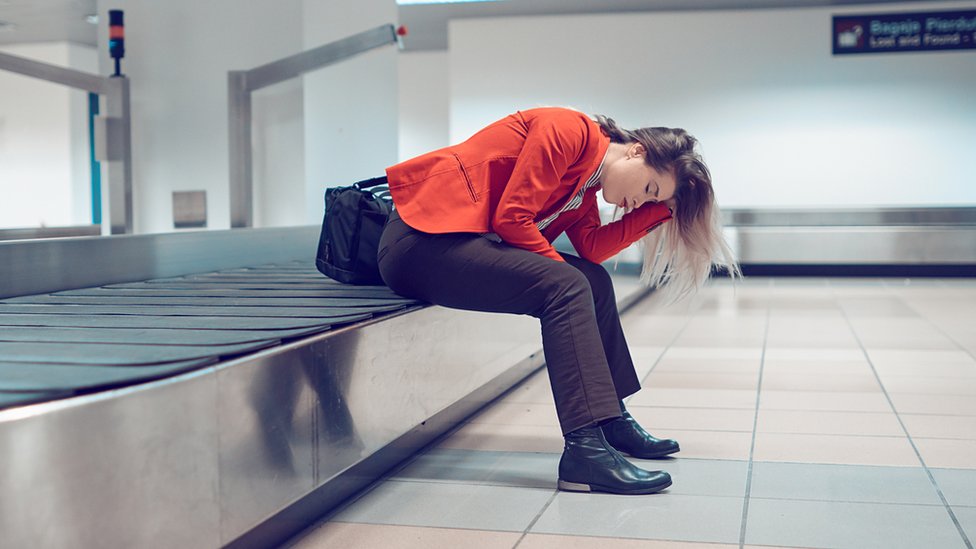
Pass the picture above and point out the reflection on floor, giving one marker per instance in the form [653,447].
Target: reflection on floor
[810,412]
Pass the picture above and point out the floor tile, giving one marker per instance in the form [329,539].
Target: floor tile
[957,485]
[701,477]
[370,536]
[819,367]
[926,368]
[695,398]
[717,365]
[661,516]
[880,356]
[907,403]
[506,438]
[717,353]
[710,444]
[702,380]
[840,449]
[701,419]
[516,469]
[822,400]
[937,426]
[517,413]
[940,452]
[535,390]
[551,541]
[850,483]
[848,383]
[773,353]
[925,385]
[849,525]
[828,422]
[967,520]
[472,506]
[912,343]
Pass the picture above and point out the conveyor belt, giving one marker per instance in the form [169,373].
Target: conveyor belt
[70,342]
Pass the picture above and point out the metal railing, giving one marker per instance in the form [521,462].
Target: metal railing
[112,130]
[240,86]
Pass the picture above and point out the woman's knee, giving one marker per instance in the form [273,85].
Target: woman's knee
[596,275]
[567,282]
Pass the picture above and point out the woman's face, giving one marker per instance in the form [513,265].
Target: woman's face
[629,181]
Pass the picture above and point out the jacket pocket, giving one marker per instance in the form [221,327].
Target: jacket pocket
[467,179]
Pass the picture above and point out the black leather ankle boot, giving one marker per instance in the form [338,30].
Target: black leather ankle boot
[590,464]
[626,435]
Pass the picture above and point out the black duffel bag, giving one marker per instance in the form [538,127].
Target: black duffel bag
[351,230]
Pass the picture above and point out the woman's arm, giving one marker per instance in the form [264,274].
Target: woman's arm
[552,144]
[597,243]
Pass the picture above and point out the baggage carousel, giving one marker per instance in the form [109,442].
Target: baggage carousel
[209,389]
[78,341]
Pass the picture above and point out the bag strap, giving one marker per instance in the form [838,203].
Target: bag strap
[369,183]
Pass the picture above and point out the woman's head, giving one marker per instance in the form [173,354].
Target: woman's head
[629,181]
[662,165]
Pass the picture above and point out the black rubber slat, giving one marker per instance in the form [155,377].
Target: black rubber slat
[72,377]
[176,322]
[149,336]
[109,354]
[204,285]
[204,301]
[163,310]
[157,292]
[9,400]
[260,277]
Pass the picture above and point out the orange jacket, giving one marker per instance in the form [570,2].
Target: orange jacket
[512,173]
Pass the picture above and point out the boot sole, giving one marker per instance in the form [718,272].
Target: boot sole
[652,456]
[567,486]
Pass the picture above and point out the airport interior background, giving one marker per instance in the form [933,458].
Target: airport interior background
[175,371]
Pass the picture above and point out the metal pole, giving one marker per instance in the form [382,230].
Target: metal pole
[120,162]
[53,73]
[239,126]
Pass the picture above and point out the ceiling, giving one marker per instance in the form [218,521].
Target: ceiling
[427,23]
[65,20]
[47,21]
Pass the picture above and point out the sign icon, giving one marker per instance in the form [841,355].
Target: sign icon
[850,35]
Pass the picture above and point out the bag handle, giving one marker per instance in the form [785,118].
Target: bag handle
[370,183]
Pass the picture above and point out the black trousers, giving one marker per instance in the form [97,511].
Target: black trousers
[590,368]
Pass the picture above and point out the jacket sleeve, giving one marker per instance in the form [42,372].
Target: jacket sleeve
[597,243]
[551,146]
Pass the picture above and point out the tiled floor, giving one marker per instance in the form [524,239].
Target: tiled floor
[810,412]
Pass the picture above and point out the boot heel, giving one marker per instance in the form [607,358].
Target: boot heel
[572,486]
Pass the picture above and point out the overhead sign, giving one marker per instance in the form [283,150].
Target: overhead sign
[904,32]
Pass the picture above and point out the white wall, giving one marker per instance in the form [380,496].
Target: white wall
[351,107]
[781,120]
[44,147]
[178,53]
[424,84]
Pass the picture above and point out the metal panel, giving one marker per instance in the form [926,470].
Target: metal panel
[304,414]
[41,266]
[129,468]
[860,217]
[855,245]
[50,232]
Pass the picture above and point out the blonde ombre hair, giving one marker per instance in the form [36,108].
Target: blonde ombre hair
[679,255]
